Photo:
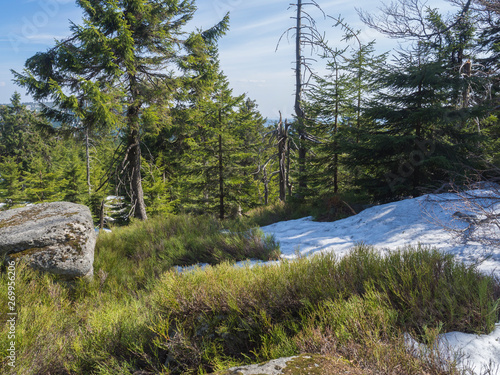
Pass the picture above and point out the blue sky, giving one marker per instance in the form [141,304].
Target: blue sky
[247,52]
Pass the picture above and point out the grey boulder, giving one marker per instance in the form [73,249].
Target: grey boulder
[273,367]
[53,237]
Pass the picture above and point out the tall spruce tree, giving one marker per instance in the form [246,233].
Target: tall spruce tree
[329,103]
[336,103]
[134,48]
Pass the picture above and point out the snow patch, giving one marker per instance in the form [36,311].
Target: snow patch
[444,221]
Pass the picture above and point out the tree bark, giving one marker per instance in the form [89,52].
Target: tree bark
[266,188]
[298,63]
[135,177]
[335,129]
[134,144]
[221,170]
[298,98]
[282,152]
[87,156]
[101,215]
[302,166]
[288,183]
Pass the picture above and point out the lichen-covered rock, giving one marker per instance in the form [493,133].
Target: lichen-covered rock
[313,364]
[54,237]
[273,367]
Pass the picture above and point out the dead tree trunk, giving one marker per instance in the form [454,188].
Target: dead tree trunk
[87,157]
[299,113]
[282,152]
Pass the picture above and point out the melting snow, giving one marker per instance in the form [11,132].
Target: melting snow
[445,221]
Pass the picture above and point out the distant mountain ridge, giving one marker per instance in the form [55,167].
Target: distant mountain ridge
[37,107]
[33,106]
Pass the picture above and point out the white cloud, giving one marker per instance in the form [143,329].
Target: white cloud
[277,21]
[44,38]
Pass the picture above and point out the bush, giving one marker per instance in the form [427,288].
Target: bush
[135,316]
[265,312]
[140,252]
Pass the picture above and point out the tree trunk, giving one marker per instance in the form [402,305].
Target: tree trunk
[101,215]
[288,183]
[302,166]
[358,104]
[282,151]
[134,156]
[298,98]
[221,170]
[266,188]
[418,136]
[335,129]
[139,207]
[298,63]
[87,156]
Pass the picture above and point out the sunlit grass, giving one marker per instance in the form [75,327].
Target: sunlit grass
[362,301]
[139,314]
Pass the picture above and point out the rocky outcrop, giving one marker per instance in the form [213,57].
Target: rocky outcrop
[313,364]
[53,237]
[273,367]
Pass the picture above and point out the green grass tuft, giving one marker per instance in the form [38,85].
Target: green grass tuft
[261,313]
[139,253]
[138,314]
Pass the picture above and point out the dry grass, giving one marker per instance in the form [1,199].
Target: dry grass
[137,316]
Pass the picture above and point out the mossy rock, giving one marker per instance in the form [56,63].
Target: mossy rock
[305,364]
[58,238]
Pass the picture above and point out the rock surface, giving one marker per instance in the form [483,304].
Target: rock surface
[313,364]
[53,237]
[273,367]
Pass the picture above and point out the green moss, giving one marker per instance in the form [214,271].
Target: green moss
[312,364]
[28,252]
[23,217]
[35,213]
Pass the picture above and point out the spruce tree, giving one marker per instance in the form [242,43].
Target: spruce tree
[222,151]
[416,139]
[329,103]
[21,142]
[336,104]
[130,49]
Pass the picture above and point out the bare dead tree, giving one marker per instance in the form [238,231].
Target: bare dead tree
[472,211]
[407,19]
[307,37]
[489,5]
[280,138]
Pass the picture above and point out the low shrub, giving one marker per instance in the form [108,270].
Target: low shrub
[103,326]
[261,313]
[140,252]
[136,317]
[276,212]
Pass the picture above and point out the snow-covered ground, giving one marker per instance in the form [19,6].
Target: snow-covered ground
[442,221]
[445,221]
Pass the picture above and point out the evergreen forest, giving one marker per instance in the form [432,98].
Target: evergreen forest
[135,108]
[135,119]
